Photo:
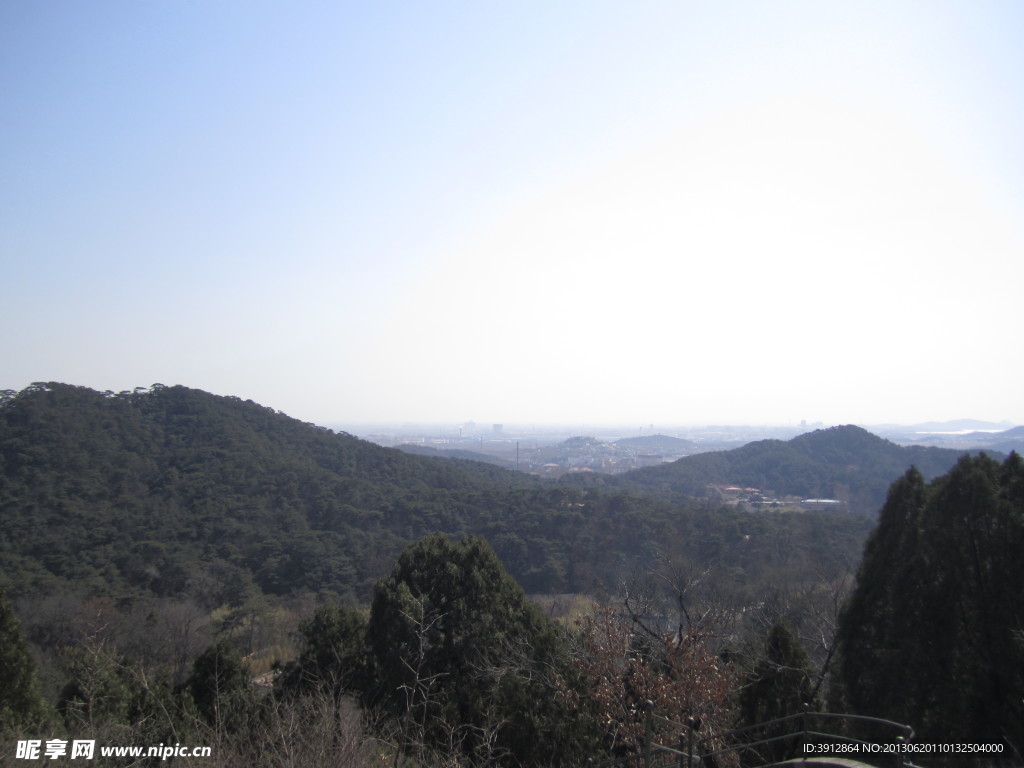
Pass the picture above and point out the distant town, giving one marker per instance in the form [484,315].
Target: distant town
[555,450]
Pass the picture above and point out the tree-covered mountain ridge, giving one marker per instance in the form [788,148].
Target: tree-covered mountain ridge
[847,463]
[173,491]
[250,487]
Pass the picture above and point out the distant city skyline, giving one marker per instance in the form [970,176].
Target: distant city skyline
[660,212]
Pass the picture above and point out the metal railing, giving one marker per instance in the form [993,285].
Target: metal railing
[871,740]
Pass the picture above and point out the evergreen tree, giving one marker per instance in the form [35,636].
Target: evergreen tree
[333,655]
[461,656]
[781,683]
[100,688]
[931,636]
[221,688]
[21,704]
[891,584]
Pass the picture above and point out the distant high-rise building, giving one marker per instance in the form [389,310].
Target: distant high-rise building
[497,428]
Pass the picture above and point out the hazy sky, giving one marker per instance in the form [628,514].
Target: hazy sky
[633,212]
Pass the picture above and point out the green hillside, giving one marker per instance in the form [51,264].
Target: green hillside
[146,490]
[846,463]
[143,527]
[455,453]
[171,491]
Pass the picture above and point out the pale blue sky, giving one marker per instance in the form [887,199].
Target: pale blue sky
[649,212]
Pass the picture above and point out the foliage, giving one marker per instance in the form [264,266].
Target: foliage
[174,493]
[932,634]
[846,463]
[106,695]
[333,658]
[463,658]
[165,489]
[221,688]
[100,687]
[781,684]
[142,527]
[21,705]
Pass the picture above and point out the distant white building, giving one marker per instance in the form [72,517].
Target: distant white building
[821,503]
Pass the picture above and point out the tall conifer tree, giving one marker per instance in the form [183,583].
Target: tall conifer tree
[21,704]
[932,636]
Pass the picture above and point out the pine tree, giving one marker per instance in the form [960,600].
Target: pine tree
[781,684]
[221,688]
[21,704]
[932,635]
[782,681]
[463,658]
[333,657]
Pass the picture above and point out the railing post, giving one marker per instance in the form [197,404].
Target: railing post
[907,735]
[692,725]
[803,730]
[648,732]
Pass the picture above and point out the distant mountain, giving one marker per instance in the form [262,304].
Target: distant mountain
[984,437]
[847,463]
[957,434]
[657,443]
[955,425]
[1005,442]
[1016,433]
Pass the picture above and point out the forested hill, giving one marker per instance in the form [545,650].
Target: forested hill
[172,491]
[150,487]
[455,453]
[846,463]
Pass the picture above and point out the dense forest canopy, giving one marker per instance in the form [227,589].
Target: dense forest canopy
[170,490]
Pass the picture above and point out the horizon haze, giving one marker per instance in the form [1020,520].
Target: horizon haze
[582,212]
